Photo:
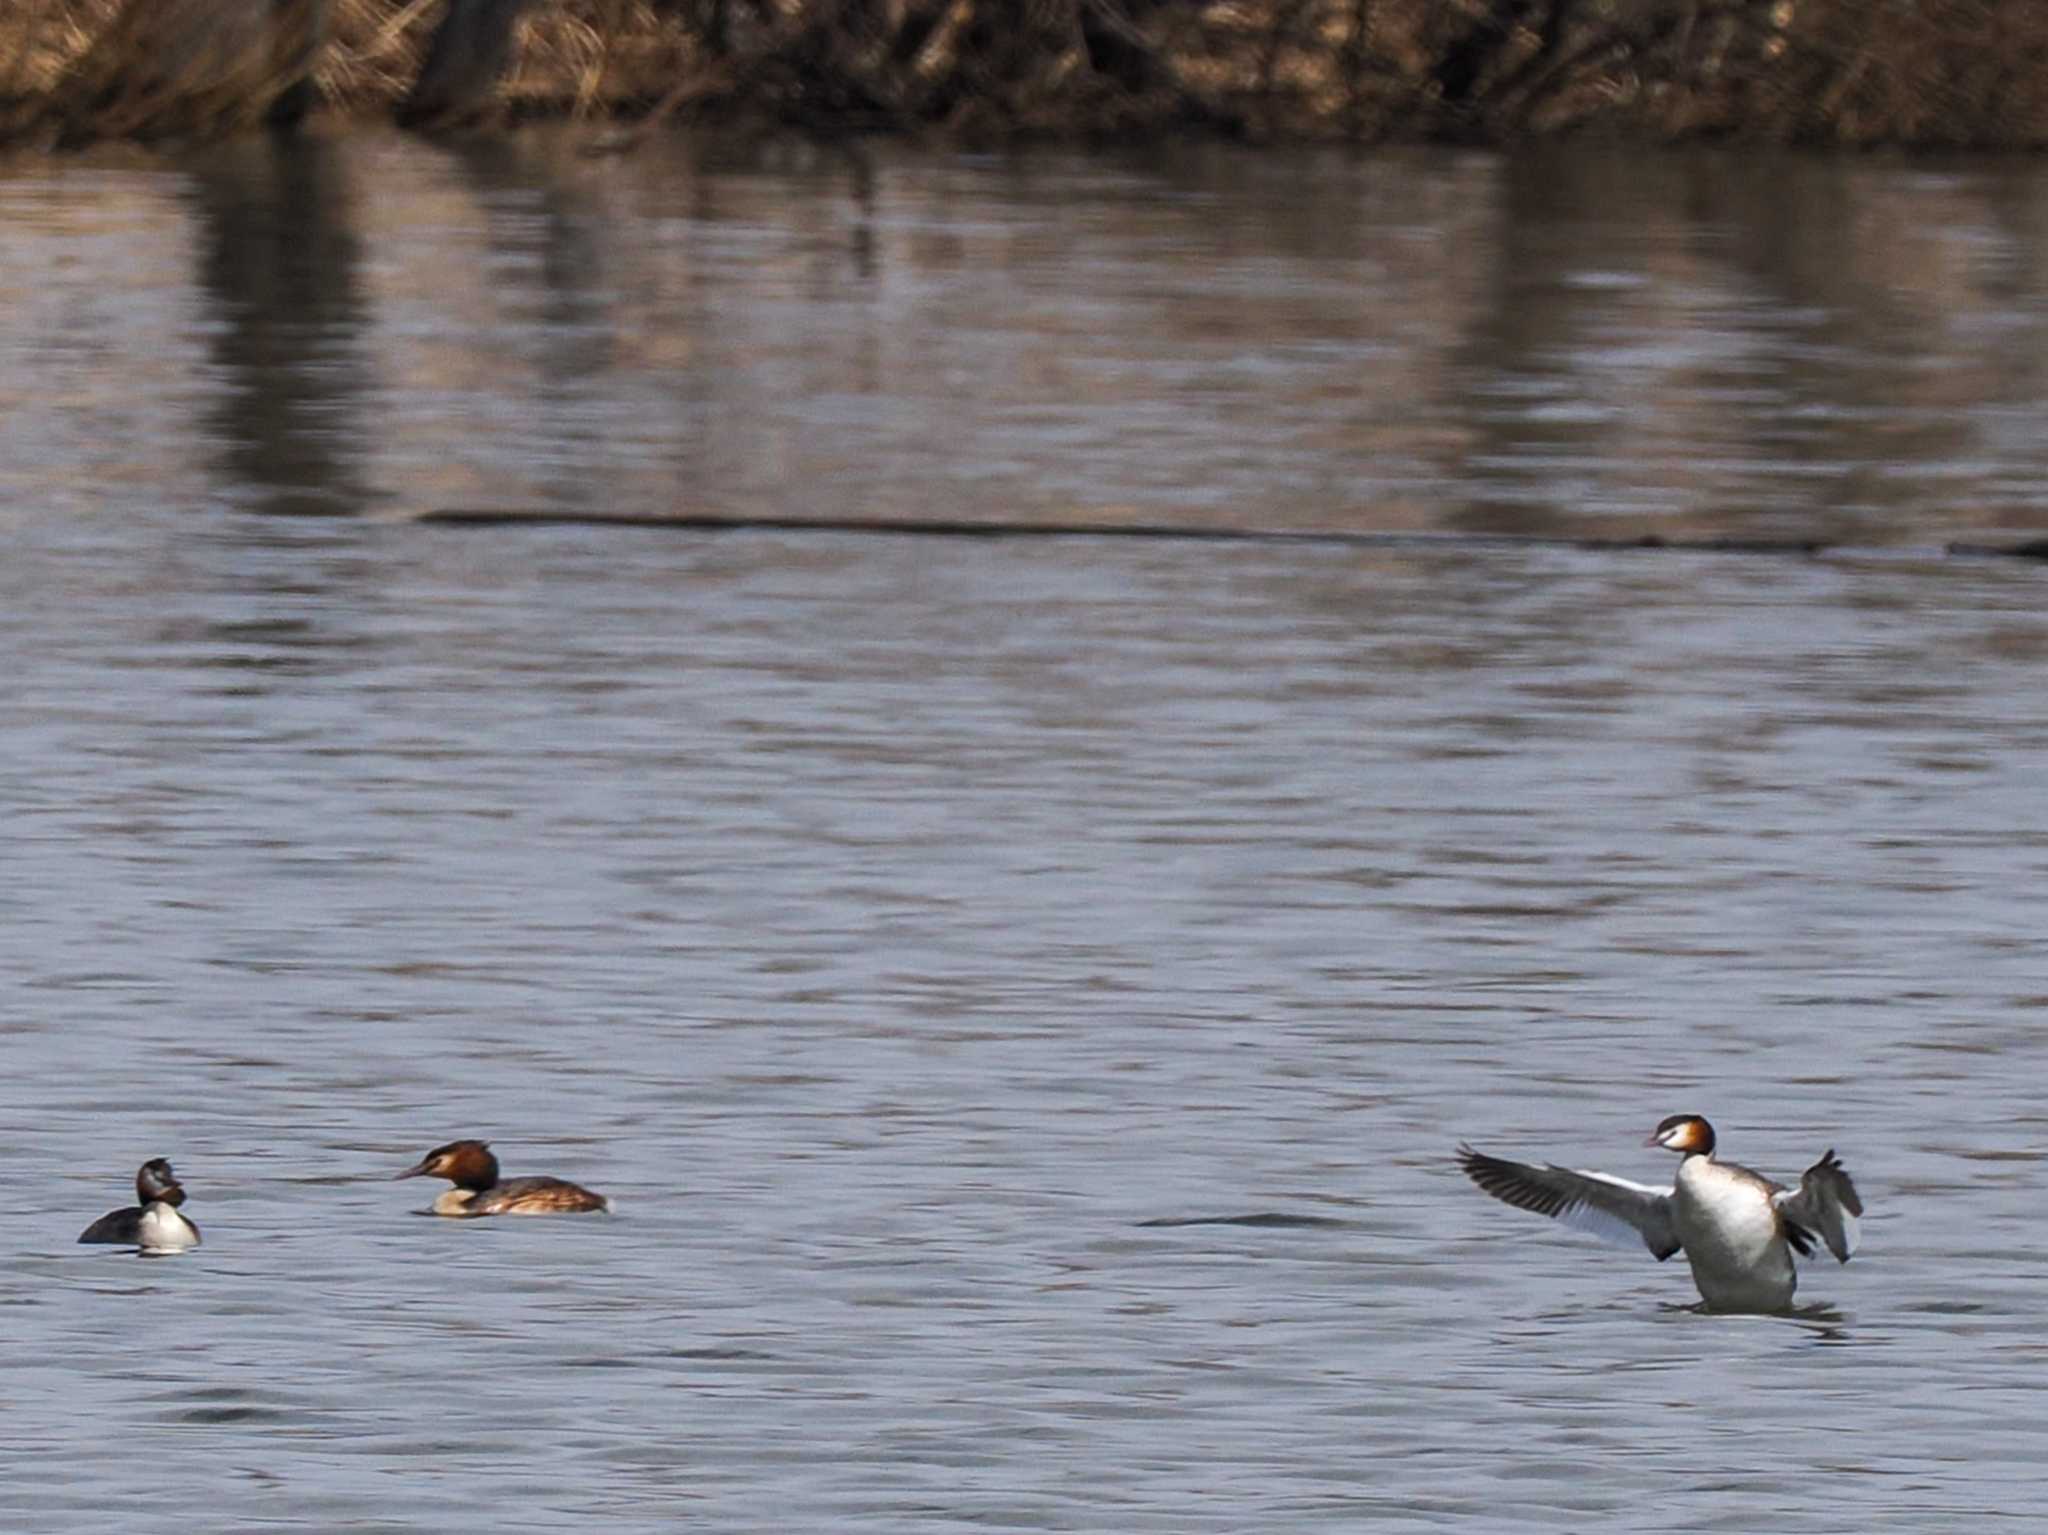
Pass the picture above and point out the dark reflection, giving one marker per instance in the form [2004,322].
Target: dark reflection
[1701,345]
[278,263]
[1569,345]
[1827,1324]
[616,312]
[1843,361]
[1258,1218]
[717,1355]
[837,176]
[539,219]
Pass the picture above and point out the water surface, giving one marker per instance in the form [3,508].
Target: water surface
[1021,995]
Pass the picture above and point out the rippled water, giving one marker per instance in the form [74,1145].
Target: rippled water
[1021,995]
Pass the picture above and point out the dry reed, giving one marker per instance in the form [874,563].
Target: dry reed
[1940,72]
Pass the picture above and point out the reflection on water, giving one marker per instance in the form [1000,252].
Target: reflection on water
[279,263]
[1564,342]
[1022,997]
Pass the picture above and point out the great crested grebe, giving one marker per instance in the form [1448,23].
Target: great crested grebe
[1736,1228]
[478,1189]
[154,1222]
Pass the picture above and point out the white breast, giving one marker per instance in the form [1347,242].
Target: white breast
[1733,1237]
[162,1229]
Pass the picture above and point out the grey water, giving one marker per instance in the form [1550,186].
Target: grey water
[1021,995]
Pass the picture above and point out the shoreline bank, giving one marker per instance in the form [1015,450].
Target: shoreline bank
[1945,74]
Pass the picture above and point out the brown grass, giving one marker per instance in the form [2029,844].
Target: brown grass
[1854,72]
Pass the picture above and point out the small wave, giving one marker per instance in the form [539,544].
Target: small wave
[1279,1218]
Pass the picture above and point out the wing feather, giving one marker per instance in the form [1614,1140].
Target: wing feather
[1825,1203]
[1607,1206]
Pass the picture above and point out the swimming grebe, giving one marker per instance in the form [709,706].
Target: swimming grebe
[1737,1229]
[153,1223]
[478,1190]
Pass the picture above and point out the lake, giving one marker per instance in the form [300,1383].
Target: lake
[1021,993]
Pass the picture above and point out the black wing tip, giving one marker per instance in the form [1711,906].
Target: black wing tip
[1477,1165]
[1844,1185]
[1829,1163]
[1523,1187]
[1509,1182]
[1480,1167]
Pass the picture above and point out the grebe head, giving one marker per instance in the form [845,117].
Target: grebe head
[1687,1134]
[155,1183]
[466,1164]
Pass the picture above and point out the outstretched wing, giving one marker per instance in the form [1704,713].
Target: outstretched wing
[1826,1203]
[1607,1206]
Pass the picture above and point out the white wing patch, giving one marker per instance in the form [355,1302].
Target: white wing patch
[1825,1203]
[1852,1236]
[1608,1224]
[1609,1207]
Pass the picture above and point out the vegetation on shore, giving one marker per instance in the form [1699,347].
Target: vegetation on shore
[1933,73]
